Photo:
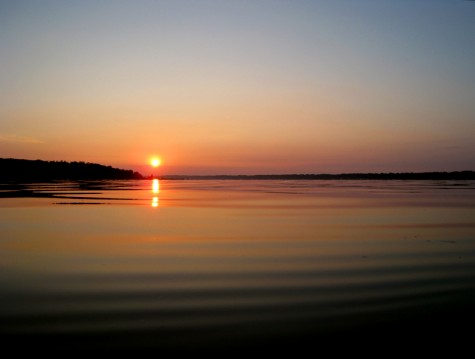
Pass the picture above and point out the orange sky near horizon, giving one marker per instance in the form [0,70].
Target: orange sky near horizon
[240,87]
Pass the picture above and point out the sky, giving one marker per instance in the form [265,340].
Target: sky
[240,87]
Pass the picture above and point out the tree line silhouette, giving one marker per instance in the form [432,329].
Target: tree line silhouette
[457,175]
[12,169]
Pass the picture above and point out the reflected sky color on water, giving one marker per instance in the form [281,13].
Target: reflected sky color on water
[235,264]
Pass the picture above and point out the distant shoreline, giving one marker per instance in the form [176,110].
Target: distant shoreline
[20,170]
[15,170]
[456,175]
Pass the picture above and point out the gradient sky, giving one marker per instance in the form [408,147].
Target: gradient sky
[228,87]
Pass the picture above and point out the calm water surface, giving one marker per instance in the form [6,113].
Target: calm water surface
[219,265]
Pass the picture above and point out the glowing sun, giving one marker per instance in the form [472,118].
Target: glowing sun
[155,162]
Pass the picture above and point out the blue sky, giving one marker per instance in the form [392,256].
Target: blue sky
[241,86]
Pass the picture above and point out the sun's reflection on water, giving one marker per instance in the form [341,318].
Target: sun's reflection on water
[155,191]
[155,186]
[155,202]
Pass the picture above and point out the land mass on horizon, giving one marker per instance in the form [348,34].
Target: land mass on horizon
[456,175]
[12,169]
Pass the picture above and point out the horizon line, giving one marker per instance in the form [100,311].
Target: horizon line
[286,175]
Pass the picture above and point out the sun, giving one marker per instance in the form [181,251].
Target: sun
[155,162]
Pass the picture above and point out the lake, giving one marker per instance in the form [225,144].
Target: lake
[236,265]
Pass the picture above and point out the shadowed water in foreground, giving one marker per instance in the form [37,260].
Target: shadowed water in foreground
[229,265]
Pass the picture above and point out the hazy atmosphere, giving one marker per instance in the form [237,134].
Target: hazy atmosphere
[240,87]
[264,178]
